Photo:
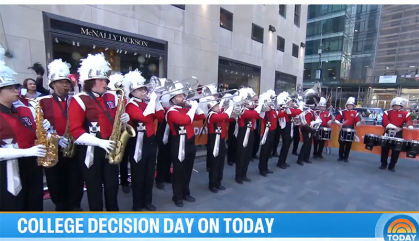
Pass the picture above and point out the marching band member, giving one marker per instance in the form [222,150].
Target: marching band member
[276,138]
[163,154]
[296,122]
[245,135]
[327,120]
[142,149]
[21,179]
[308,129]
[347,118]
[268,129]
[92,114]
[115,82]
[182,140]
[216,121]
[65,181]
[232,140]
[393,122]
[285,124]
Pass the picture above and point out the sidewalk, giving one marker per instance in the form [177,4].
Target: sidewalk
[325,185]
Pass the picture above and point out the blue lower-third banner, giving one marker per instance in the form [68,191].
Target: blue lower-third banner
[387,226]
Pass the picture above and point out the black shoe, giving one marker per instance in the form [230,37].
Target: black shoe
[287,165]
[125,189]
[263,174]
[239,180]
[282,166]
[256,157]
[308,161]
[391,170]
[160,186]
[213,189]
[269,171]
[246,179]
[340,159]
[230,163]
[275,154]
[178,203]
[221,187]
[320,156]
[189,198]
[300,163]
[150,207]
[295,153]
[383,167]
[345,160]
[137,209]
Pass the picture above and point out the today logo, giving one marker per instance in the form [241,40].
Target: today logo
[401,228]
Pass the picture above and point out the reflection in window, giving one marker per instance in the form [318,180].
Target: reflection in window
[280,44]
[226,19]
[295,50]
[257,33]
[284,82]
[297,12]
[179,6]
[282,10]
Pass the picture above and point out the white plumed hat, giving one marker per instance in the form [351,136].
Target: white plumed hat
[132,81]
[399,101]
[94,67]
[115,81]
[6,73]
[58,70]
[322,101]
[350,101]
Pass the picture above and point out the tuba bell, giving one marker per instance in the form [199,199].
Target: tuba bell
[311,99]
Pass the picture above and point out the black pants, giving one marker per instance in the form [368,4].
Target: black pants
[142,173]
[318,147]
[265,151]
[163,164]
[31,197]
[244,154]
[232,143]
[123,170]
[394,154]
[101,172]
[216,163]
[344,149]
[304,154]
[256,142]
[182,170]
[296,138]
[65,183]
[286,142]
[276,138]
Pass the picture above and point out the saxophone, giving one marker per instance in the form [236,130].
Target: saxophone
[51,144]
[70,150]
[120,136]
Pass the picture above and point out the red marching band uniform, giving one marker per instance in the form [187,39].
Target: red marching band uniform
[21,179]
[92,114]
[326,119]
[393,121]
[182,142]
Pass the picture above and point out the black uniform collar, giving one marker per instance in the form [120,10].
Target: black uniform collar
[7,110]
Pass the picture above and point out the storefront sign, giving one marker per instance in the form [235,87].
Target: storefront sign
[103,34]
[387,79]
[238,66]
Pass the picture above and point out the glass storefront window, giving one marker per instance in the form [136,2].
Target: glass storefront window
[234,75]
[72,50]
[284,82]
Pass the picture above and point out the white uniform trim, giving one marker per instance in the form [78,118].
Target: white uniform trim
[79,101]
[131,101]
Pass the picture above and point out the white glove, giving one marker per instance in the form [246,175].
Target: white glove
[199,111]
[301,105]
[158,105]
[230,108]
[410,127]
[46,124]
[151,106]
[63,142]
[124,118]
[391,126]
[11,153]
[191,112]
[89,140]
[222,103]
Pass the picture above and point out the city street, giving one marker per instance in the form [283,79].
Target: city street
[324,185]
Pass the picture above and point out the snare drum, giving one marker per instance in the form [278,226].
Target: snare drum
[385,141]
[347,134]
[413,149]
[324,133]
[397,143]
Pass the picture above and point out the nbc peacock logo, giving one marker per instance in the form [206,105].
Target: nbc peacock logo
[401,228]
